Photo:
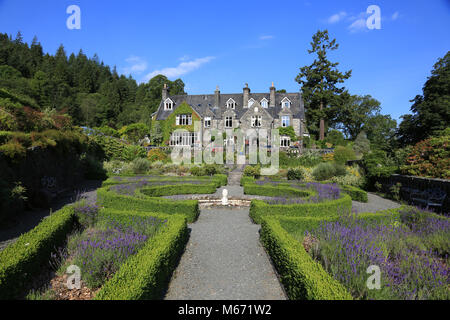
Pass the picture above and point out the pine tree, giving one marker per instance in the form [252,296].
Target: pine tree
[320,82]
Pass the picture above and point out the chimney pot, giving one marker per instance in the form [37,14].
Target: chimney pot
[272,96]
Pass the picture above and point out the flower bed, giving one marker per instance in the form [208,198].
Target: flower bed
[114,247]
[410,247]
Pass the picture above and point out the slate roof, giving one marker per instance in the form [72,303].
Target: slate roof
[201,103]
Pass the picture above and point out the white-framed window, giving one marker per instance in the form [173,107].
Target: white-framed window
[183,120]
[231,104]
[286,103]
[264,103]
[207,122]
[251,102]
[256,121]
[285,121]
[228,122]
[285,141]
[183,138]
[168,104]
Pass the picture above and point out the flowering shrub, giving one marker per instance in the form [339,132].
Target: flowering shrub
[156,155]
[430,158]
[410,267]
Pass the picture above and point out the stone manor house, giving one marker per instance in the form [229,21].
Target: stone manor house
[244,110]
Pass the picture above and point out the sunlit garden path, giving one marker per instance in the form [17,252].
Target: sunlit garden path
[224,258]
[375,203]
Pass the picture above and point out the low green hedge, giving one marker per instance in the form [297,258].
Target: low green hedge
[112,200]
[356,193]
[275,191]
[169,190]
[22,260]
[146,274]
[259,208]
[218,179]
[302,277]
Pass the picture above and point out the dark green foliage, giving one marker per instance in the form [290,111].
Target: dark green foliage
[288,131]
[295,174]
[320,83]
[88,90]
[308,159]
[431,110]
[324,171]
[336,138]
[343,154]
[94,169]
[253,171]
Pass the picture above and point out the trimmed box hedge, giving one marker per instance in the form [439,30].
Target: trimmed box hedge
[356,193]
[218,179]
[259,208]
[21,261]
[109,199]
[146,274]
[275,191]
[169,190]
[302,277]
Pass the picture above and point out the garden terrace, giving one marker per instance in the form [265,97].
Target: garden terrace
[410,246]
[145,242]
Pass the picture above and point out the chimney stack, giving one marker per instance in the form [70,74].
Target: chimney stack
[164,92]
[217,97]
[246,95]
[272,96]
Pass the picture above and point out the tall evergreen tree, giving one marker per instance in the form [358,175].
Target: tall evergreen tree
[320,81]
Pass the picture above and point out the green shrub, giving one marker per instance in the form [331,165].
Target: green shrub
[19,261]
[132,152]
[197,171]
[302,277]
[295,174]
[340,170]
[93,169]
[169,190]
[343,154]
[253,171]
[275,191]
[324,171]
[139,166]
[13,150]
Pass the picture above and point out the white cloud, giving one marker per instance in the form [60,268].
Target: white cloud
[337,17]
[266,37]
[136,65]
[358,25]
[182,69]
[184,58]
[395,16]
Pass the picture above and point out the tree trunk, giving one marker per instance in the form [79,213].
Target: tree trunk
[322,125]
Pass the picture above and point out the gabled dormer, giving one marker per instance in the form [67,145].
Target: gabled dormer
[264,103]
[286,103]
[168,104]
[231,104]
[251,101]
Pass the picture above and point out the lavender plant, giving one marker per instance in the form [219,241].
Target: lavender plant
[410,269]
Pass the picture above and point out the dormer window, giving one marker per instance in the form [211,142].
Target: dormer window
[264,103]
[168,104]
[285,103]
[251,102]
[231,104]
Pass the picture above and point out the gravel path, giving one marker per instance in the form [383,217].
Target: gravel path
[224,260]
[375,203]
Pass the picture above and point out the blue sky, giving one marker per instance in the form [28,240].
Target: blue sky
[229,43]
